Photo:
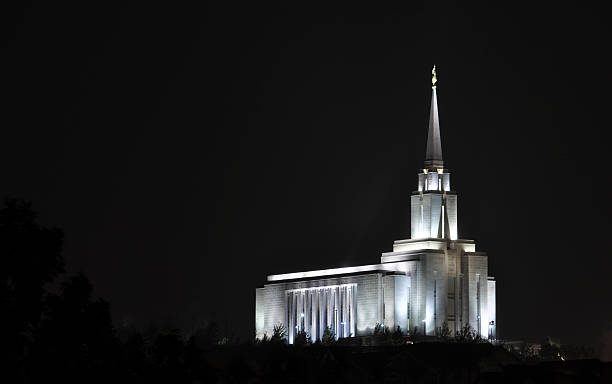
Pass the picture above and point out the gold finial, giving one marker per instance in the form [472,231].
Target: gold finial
[434,78]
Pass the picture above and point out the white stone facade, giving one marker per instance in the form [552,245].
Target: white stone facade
[417,290]
[427,281]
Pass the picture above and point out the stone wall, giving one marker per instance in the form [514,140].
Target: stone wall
[271,306]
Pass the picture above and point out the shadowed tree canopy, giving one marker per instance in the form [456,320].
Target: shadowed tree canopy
[45,335]
[76,339]
[30,257]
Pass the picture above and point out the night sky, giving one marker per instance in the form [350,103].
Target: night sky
[188,152]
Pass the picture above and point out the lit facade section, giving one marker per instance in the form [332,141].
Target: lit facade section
[313,310]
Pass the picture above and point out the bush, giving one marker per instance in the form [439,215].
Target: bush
[279,334]
[467,334]
[382,335]
[397,336]
[302,338]
[443,332]
[329,337]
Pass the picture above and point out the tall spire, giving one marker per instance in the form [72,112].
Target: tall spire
[433,157]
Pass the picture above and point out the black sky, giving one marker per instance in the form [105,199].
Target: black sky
[189,151]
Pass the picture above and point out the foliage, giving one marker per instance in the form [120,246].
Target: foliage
[550,350]
[76,334]
[468,335]
[30,258]
[265,339]
[279,334]
[207,335]
[555,351]
[397,336]
[443,332]
[302,338]
[577,352]
[329,336]
[379,329]
[66,335]
[382,335]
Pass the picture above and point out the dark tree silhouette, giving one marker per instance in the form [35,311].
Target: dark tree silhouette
[76,339]
[135,356]
[444,332]
[31,258]
[279,334]
[467,334]
[302,338]
[329,337]
[48,336]
[206,336]
[381,335]
[397,336]
[169,358]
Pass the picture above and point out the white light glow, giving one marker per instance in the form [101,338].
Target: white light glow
[417,244]
[328,272]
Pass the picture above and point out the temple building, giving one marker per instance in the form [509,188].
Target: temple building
[431,280]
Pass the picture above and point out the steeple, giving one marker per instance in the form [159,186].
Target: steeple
[433,157]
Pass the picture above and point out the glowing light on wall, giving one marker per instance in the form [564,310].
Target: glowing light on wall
[314,309]
[328,272]
[419,245]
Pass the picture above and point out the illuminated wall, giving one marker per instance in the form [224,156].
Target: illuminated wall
[425,212]
[419,290]
[284,302]
[397,301]
[433,207]
[476,314]
[451,213]
[312,310]
[426,216]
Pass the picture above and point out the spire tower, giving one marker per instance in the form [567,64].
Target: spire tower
[430,281]
[433,157]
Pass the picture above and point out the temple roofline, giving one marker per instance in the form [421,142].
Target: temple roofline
[437,239]
[332,272]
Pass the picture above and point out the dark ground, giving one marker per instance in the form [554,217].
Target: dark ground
[418,363]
